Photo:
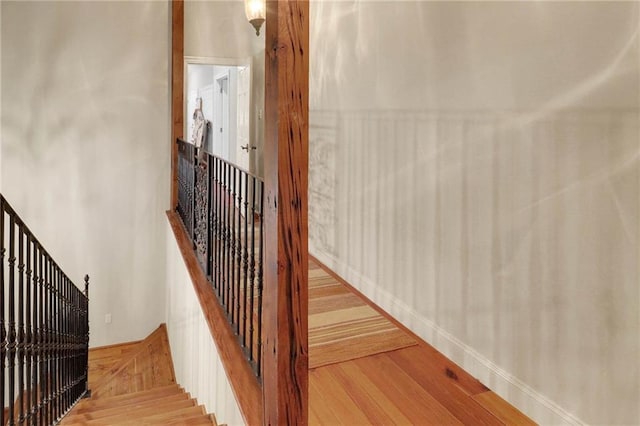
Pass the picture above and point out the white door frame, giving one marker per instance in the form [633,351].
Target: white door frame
[209,60]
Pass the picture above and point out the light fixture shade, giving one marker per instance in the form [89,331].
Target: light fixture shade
[255,11]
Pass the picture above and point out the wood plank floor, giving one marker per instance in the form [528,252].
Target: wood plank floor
[411,383]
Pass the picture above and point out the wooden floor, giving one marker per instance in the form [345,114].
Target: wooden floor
[410,384]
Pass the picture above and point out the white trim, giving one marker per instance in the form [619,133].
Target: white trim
[531,402]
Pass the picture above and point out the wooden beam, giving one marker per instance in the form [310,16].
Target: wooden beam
[177,88]
[285,314]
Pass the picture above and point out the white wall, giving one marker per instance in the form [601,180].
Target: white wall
[85,148]
[195,357]
[474,170]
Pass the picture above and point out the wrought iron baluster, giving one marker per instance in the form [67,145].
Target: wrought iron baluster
[260,274]
[252,271]
[3,330]
[245,264]
[232,257]
[28,345]
[21,334]
[11,332]
[238,268]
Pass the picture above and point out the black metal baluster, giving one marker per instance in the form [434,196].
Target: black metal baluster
[216,227]
[34,336]
[209,218]
[3,332]
[47,339]
[11,343]
[229,203]
[85,324]
[260,273]
[56,342]
[214,213]
[232,257]
[74,344]
[227,232]
[66,373]
[192,187]
[252,269]
[21,334]
[28,332]
[41,341]
[245,264]
[238,267]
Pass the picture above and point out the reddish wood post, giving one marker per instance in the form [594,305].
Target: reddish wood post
[285,315]
[177,88]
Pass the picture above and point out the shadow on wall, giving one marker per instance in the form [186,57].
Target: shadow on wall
[518,237]
[474,170]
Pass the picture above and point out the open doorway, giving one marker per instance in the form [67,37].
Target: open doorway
[222,91]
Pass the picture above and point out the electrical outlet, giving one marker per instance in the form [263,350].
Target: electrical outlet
[107,319]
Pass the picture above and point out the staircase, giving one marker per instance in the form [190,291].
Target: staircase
[134,384]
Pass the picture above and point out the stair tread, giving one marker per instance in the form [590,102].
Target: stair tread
[172,416]
[146,411]
[130,398]
[134,384]
[126,396]
[119,408]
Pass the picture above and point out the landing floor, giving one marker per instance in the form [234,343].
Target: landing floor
[402,379]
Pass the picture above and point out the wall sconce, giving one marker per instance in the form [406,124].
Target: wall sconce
[255,11]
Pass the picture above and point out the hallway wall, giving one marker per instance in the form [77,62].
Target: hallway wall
[474,170]
[85,134]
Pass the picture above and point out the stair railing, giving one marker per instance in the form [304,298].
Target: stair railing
[44,329]
[221,207]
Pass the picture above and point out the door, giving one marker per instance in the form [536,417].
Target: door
[244,148]
[220,126]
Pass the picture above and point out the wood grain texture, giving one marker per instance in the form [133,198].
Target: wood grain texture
[177,89]
[502,409]
[148,367]
[285,347]
[103,358]
[444,388]
[245,386]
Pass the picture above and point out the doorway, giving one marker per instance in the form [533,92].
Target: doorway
[224,91]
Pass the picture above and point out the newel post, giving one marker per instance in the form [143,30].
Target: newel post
[285,315]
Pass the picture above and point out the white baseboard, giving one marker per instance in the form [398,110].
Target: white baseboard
[519,394]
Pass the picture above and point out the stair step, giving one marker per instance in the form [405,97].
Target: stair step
[90,404]
[121,409]
[137,415]
[179,416]
[134,384]
[193,421]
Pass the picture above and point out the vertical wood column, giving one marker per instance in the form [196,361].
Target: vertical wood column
[177,88]
[285,349]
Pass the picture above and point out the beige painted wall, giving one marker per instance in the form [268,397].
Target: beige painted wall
[85,134]
[474,170]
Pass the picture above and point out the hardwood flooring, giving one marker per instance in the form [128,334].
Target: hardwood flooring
[134,384]
[411,383]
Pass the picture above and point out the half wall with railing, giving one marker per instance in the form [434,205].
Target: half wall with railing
[221,207]
[44,329]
